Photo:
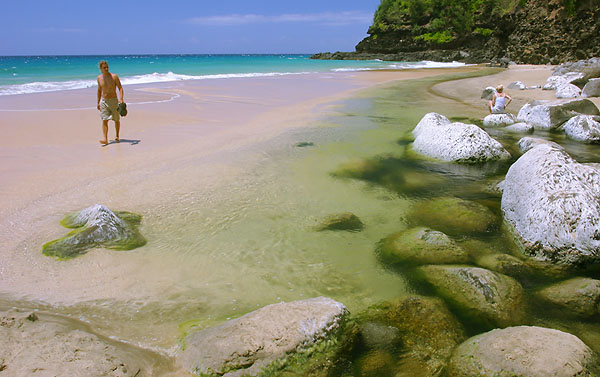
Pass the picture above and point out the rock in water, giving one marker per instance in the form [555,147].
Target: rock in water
[96,226]
[580,296]
[585,128]
[456,142]
[523,351]
[246,345]
[552,204]
[487,297]
[343,221]
[421,246]
[551,115]
[520,127]
[499,120]
[454,216]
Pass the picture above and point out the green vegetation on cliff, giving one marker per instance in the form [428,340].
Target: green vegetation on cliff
[439,21]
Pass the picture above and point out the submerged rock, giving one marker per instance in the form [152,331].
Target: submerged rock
[504,264]
[379,363]
[421,246]
[453,216]
[499,120]
[96,226]
[523,351]
[580,296]
[551,115]
[428,332]
[488,298]
[456,142]
[552,204]
[585,128]
[342,221]
[266,339]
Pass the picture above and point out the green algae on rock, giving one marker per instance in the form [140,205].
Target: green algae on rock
[96,226]
[428,332]
[421,246]
[485,297]
[580,296]
[453,216]
[342,221]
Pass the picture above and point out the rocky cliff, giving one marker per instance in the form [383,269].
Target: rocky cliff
[525,31]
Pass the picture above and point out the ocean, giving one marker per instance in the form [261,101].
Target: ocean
[36,74]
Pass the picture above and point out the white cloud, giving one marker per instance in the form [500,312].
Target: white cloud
[326,18]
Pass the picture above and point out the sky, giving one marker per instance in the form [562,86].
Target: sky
[83,27]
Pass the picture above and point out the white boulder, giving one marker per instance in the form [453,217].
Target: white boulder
[552,204]
[520,127]
[568,91]
[499,120]
[488,93]
[551,115]
[430,120]
[457,142]
[517,85]
[585,128]
[522,351]
[554,81]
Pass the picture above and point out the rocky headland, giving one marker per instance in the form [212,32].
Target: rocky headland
[525,32]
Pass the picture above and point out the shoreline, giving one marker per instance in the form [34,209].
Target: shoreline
[200,178]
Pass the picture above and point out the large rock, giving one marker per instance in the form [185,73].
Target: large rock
[505,264]
[488,298]
[568,91]
[499,120]
[249,344]
[552,204]
[520,127]
[580,296]
[43,344]
[421,246]
[453,216]
[526,143]
[585,128]
[96,226]
[554,81]
[457,142]
[427,333]
[517,85]
[434,120]
[488,93]
[591,89]
[551,115]
[585,69]
[523,351]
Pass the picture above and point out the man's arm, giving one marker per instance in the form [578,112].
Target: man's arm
[118,83]
[99,94]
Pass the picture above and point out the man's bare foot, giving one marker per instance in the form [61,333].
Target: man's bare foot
[103,142]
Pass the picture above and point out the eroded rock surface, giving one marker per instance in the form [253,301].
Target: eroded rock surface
[523,351]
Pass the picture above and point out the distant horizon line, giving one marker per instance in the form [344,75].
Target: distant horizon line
[164,54]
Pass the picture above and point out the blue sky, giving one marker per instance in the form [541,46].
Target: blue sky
[222,26]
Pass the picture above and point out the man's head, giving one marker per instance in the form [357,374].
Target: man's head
[103,65]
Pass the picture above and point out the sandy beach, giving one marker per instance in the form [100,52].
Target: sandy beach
[198,159]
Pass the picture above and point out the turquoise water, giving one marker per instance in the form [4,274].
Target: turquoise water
[34,74]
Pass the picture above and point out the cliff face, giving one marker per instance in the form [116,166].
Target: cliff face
[529,31]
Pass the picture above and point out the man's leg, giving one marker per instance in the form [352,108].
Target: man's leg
[105,132]
[117,129]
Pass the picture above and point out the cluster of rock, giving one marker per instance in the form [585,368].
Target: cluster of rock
[576,79]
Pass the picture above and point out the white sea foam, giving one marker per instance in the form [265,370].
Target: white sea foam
[40,87]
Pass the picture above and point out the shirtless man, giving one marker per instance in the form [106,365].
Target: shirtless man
[107,100]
